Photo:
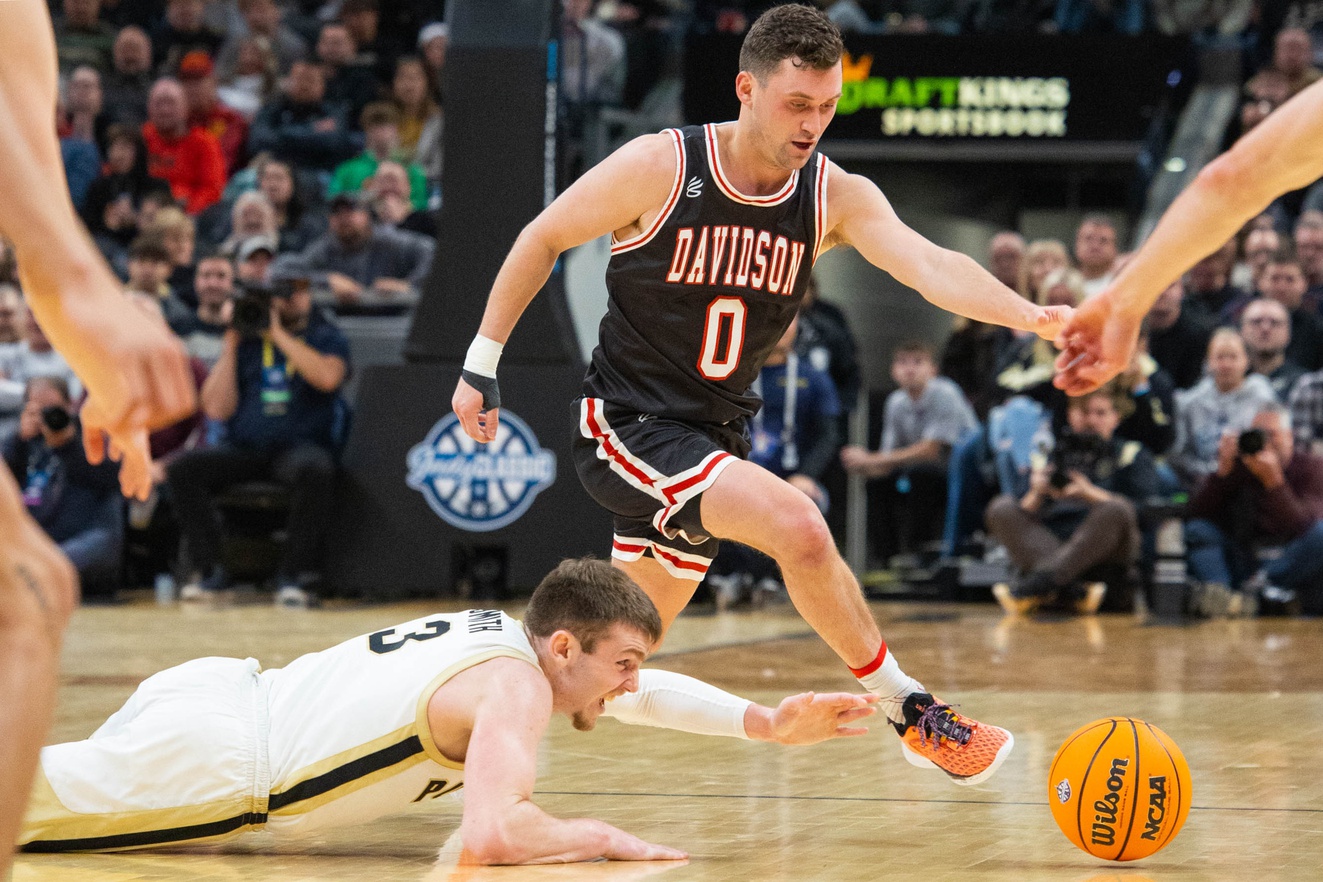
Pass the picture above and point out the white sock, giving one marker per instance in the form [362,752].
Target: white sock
[892,685]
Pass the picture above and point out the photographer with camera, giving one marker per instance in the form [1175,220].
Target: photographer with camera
[1074,535]
[276,387]
[76,503]
[1226,399]
[1265,491]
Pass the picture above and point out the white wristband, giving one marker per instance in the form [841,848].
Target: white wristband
[483,356]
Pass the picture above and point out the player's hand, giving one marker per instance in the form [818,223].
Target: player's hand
[136,374]
[628,847]
[478,424]
[1049,320]
[1096,345]
[808,718]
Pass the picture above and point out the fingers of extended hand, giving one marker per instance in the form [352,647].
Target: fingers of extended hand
[135,470]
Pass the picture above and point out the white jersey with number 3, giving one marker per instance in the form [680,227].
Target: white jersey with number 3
[216,746]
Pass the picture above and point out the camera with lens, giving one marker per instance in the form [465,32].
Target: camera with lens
[56,418]
[1074,452]
[1251,441]
[251,313]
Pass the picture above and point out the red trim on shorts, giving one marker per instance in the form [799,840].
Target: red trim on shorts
[611,451]
[628,549]
[677,562]
[873,665]
[670,491]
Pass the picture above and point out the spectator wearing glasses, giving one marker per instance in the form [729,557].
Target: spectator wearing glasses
[1283,280]
[1266,327]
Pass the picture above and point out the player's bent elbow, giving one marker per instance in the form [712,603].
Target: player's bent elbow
[1231,175]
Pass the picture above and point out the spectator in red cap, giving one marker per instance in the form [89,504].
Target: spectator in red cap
[183,155]
[197,75]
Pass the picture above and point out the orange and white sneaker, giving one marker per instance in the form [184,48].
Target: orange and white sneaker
[935,736]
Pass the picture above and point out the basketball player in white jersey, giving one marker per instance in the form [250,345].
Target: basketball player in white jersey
[1281,154]
[218,747]
[715,230]
[134,370]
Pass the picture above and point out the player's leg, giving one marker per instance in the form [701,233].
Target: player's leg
[751,505]
[191,733]
[38,590]
[748,504]
[669,593]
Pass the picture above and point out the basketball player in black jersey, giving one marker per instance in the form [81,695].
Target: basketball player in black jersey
[715,230]
[133,368]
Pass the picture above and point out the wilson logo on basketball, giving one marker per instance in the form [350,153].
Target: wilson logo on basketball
[1157,807]
[1107,808]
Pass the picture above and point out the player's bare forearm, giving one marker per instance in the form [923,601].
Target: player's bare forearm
[525,271]
[1281,154]
[38,591]
[956,283]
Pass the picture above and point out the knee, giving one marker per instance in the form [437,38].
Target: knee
[1115,510]
[1000,512]
[806,541]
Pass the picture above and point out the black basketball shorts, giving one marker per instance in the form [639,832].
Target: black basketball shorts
[650,473]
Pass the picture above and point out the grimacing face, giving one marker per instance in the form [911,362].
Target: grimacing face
[590,679]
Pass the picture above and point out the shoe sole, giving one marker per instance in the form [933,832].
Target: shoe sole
[922,762]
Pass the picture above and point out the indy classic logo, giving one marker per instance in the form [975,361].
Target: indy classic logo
[480,487]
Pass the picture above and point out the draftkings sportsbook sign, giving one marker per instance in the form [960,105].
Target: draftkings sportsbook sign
[1099,88]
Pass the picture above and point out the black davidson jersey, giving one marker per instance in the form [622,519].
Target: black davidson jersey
[699,299]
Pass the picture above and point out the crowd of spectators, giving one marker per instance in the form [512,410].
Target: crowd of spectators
[1214,19]
[294,147]
[251,169]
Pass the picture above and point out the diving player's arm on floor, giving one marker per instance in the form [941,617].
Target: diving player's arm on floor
[1282,153]
[673,701]
[501,824]
[618,194]
[860,216]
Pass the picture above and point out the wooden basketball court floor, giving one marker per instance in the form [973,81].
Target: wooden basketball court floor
[1244,699]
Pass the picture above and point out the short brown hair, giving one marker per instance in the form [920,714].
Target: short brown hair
[790,31]
[915,347]
[587,597]
[1122,401]
[1286,256]
[379,113]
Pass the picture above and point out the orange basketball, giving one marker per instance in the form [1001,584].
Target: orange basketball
[1119,789]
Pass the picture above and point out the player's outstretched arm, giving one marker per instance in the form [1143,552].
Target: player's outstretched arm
[134,369]
[668,700]
[860,216]
[623,191]
[1281,154]
[501,823]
